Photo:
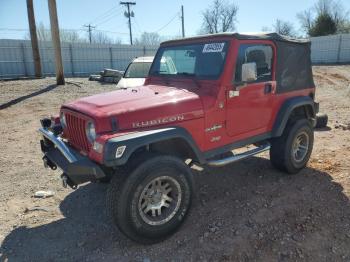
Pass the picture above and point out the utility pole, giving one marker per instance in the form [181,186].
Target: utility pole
[55,35]
[183,21]
[90,27]
[129,15]
[34,39]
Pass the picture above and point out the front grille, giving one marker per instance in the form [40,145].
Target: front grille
[76,134]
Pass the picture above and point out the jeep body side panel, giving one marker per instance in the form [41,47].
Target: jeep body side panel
[286,110]
[134,141]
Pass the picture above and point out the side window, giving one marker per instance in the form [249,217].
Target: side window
[262,55]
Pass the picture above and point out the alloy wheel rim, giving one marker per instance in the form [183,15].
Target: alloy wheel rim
[160,200]
[300,147]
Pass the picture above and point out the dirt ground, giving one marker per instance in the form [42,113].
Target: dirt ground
[246,211]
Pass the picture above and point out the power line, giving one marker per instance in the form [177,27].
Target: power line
[13,29]
[106,19]
[113,32]
[103,15]
[171,20]
[137,25]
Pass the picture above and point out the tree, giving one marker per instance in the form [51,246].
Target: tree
[324,18]
[219,17]
[70,36]
[324,25]
[148,39]
[284,28]
[306,20]
[344,27]
[99,37]
[44,34]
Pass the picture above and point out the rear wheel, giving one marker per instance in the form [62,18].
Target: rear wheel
[292,150]
[153,200]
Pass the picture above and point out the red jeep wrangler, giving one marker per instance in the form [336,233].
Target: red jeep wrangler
[205,97]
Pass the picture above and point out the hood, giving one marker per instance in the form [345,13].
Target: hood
[130,82]
[139,107]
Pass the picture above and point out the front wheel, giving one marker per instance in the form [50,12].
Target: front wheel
[153,201]
[292,150]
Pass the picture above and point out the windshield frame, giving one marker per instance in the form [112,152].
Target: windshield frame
[160,52]
[126,70]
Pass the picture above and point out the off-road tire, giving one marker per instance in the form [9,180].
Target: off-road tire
[124,198]
[106,180]
[281,152]
[321,120]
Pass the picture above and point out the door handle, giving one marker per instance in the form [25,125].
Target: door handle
[268,88]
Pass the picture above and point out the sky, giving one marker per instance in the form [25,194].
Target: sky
[162,16]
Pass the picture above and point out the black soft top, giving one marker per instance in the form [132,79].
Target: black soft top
[244,36]
[293,67]
[271,36]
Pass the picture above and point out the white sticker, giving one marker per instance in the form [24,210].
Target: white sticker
[213,48]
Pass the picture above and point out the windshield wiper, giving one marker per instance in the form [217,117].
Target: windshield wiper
[194,79]
[186,74]
[158,72]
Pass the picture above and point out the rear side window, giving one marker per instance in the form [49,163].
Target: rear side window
[262,55]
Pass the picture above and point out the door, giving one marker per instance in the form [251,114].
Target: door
[249,102]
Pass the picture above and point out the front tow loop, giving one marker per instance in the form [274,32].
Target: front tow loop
[66,181]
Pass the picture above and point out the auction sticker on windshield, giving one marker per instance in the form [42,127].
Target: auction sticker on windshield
[213,48]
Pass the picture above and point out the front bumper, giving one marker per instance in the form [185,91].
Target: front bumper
[77,169]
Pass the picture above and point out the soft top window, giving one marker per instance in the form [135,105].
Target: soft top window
[203,60]
[262,55]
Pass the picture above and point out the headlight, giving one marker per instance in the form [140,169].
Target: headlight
[63,120]
[91,132]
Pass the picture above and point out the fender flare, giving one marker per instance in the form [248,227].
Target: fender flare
[136,140]
[286,110]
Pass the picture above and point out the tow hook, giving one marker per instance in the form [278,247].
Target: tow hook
[66,181]
[49,163]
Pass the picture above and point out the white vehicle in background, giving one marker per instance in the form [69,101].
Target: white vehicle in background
[137,71]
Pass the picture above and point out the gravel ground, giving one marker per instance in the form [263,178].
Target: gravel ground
[246,211]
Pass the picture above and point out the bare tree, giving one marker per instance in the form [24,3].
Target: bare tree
[44,34]
[148,39]
[70,36]
[325,8]
[99,37]
[219,17]
[306,20]
[284,28]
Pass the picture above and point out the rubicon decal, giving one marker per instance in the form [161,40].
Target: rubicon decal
[159,121]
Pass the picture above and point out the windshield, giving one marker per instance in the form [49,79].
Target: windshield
[137,70]
[204,60]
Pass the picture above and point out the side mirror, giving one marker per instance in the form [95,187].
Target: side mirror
[249,72]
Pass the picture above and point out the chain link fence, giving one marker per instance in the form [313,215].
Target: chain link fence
[83,59]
